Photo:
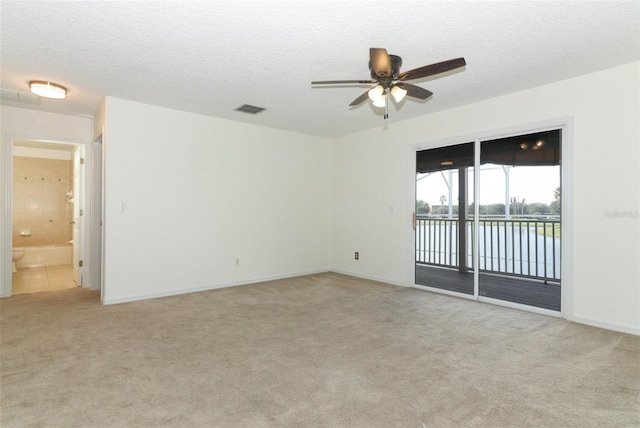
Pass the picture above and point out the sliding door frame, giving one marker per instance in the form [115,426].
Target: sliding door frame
[564,124]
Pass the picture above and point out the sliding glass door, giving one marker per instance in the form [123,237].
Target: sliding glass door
[515,229]
[519,220]
[444,190]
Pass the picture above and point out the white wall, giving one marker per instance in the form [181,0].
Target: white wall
[201,192]
[370,173]
[18,123]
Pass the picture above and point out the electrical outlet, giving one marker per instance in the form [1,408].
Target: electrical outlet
[357,257]
[237,262]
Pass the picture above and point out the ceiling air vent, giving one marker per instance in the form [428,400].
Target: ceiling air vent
[246,108]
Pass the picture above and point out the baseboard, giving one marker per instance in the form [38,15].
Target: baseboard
[369,277]
[580,320]
[197,289]
[606,325]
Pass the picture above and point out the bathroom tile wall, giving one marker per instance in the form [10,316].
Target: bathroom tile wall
[40,202]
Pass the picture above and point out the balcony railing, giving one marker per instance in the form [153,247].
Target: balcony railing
[526,247]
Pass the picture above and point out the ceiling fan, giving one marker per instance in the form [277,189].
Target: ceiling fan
[388,80]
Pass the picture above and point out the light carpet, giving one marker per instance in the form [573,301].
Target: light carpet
[324,350]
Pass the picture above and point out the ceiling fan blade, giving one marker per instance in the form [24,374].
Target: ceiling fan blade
[430,70]
[415,91]
[341,82]
[360,99]
[379,62]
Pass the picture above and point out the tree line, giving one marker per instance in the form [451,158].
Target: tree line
[517,207]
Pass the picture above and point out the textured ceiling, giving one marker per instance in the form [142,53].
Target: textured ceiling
[211,57]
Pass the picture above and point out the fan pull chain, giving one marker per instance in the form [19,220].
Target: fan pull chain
[386,103]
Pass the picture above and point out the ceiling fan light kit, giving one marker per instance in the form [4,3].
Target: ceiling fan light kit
[387,79]
[375,93]
[380,102]
[47,89]
[398,93]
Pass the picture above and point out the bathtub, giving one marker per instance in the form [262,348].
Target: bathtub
[47,255]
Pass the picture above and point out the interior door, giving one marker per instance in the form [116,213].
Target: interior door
[76,241]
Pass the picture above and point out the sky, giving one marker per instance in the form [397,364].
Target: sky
[534,184]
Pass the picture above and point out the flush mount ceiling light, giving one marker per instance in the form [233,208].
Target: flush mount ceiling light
[48,89]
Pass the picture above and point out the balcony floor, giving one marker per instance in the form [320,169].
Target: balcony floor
[512,289]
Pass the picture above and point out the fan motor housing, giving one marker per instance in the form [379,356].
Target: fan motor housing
[396,63]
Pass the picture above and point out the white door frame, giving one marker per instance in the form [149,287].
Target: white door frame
[10,138]
[566,125]
[96,208]
[80,211]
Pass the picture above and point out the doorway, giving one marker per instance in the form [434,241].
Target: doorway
[49,189]
[507,247]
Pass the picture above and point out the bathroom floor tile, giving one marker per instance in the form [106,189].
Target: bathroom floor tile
[29,285]
[61,277]
[32,273]
[60,270]
[33,280]
[60,281]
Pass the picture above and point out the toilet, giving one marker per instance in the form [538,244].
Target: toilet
[15,256]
